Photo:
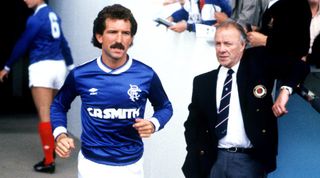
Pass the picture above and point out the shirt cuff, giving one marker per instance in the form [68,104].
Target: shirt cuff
[155,122]
[6,68]
[70,67]
[190,27]
[287,88]
[58,131]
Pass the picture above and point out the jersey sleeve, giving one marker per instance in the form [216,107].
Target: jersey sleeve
[24,41]
[159,100]
[225,7]
[62,101]
[180,15]
[66,51]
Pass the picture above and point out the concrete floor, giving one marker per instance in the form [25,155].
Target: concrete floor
[20,150]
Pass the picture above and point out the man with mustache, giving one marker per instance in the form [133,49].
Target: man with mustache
[114,89]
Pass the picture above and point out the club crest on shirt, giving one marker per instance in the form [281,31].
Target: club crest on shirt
[260,91]
[133,92]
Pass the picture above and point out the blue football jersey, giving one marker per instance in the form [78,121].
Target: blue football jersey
[43,38]
[111,101]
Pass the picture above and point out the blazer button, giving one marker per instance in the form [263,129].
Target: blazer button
[207,131]
[258,110]
[201,152]
[264,130]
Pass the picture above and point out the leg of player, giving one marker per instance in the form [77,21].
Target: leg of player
[42,98]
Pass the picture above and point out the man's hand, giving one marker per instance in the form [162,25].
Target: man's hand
[64,145]
[220,17]
[179,27]
[3,74]
[144,127]
[279,106]
[256,39]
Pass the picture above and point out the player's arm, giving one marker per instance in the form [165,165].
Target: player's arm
[23,43]
[162,110]
[58,115]
[160,102]
[66,52]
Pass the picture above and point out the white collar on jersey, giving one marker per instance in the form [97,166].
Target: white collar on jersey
[118,70]
[271,2]
[39,7]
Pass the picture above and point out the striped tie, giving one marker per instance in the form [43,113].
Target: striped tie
[223,112]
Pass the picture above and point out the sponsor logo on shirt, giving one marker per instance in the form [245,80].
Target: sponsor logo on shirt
[93,91]
[133,92]
[112,113]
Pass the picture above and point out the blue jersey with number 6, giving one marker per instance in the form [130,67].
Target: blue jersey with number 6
[43,38]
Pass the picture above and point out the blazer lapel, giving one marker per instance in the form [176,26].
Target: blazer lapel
[242,82]
[211,94]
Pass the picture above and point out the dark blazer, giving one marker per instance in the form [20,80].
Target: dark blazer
[287,25]
[256,68]
[314,57]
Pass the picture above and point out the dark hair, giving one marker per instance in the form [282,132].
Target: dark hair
[115,11]
[226,24]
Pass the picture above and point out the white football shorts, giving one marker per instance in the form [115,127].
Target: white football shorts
[48,74]
[90,169]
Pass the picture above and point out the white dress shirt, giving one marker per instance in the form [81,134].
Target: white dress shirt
[314,28]
[236,135]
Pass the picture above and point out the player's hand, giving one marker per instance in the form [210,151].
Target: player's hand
[3,74]
[64,145]
[279,106]
[144,127]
